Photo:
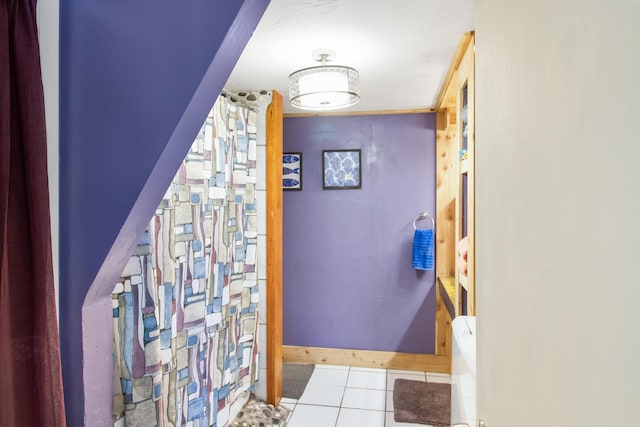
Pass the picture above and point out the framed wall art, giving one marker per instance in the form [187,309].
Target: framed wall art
[341,169]
[292,171]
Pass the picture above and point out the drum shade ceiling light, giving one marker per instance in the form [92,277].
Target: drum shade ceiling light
[324,87]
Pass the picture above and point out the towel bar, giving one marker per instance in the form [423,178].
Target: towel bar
[421,216]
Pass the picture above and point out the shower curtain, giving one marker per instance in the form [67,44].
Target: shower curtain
[185,310]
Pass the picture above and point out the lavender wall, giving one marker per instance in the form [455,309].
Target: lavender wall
[136,82]
[348,280]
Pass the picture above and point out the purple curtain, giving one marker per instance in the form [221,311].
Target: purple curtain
[30,375]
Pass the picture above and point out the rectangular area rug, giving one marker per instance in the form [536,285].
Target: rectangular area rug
[422,402]
[295,377]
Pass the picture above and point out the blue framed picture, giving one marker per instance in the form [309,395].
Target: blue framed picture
[341,169]
[292,171]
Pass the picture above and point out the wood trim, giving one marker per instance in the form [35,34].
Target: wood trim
[455,63]
[446,187]
[466,167]
[367,358]
[447,287]
[363,113]
[469,62]
[443,321]
[274,249]
[446,179]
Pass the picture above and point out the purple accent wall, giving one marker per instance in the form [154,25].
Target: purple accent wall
[348,280]
[136,82]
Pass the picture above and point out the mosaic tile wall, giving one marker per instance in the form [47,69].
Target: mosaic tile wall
[186,309]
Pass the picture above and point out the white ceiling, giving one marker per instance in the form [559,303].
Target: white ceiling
[401,48]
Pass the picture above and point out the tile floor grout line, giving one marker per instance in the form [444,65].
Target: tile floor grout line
[366,388]
[316,404]
[386,385]
[344,390]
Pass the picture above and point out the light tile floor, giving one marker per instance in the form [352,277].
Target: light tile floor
[342,396]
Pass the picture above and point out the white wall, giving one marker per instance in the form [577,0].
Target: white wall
[48,26]
[558,202]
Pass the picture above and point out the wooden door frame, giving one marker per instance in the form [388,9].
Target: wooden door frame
[445,263]
[274,249]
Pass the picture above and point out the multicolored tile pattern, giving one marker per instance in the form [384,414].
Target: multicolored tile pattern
[186,308]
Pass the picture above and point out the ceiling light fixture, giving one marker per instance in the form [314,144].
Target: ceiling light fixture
[324,87]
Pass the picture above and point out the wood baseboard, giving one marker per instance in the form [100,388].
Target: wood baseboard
[367,358]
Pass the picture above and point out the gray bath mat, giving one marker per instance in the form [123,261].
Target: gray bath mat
[294,379]
[422,403]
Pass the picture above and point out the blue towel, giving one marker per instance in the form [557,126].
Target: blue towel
[423,258]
